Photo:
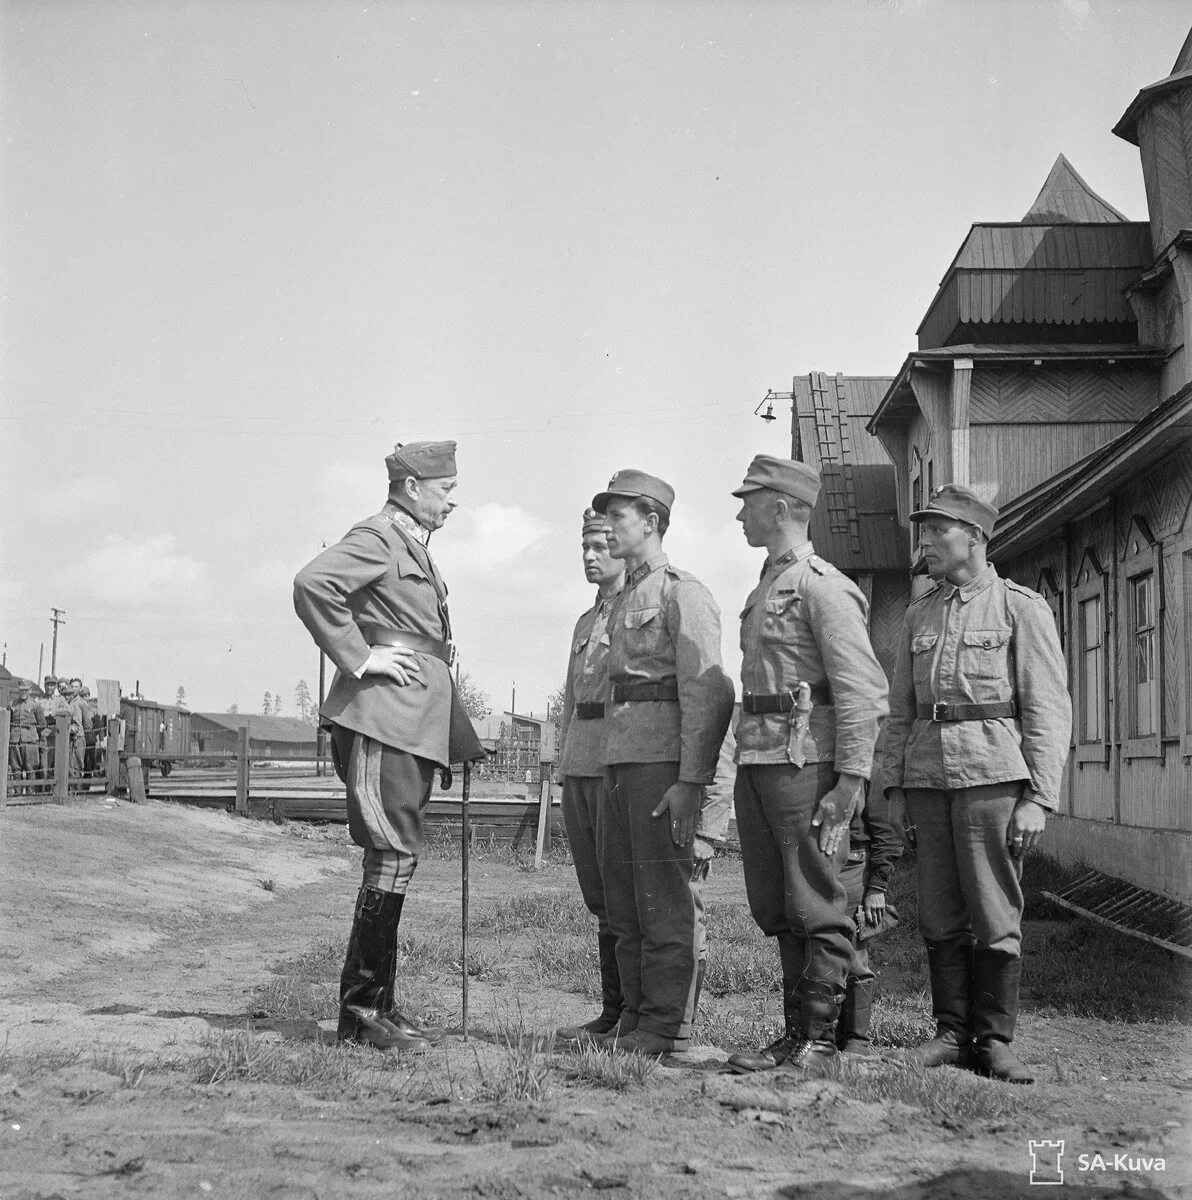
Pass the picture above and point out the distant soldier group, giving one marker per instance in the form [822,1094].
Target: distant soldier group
[32,722]
[973,748]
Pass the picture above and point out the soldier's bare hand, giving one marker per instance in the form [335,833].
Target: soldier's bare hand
[835,811]
[682,801]
[1025,828]
[398,663]
[874,907]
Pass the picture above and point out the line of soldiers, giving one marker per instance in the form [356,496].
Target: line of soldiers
[973,751]
[31,742]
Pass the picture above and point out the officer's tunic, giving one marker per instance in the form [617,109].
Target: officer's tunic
[664,630]
[989,641]
[386,738]
[804,622]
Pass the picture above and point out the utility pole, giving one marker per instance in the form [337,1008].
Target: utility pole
[513,700]
[58,617]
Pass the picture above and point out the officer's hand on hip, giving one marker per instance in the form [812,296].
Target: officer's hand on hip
[835,811]
[398,663]
[1026,827]
[682,800]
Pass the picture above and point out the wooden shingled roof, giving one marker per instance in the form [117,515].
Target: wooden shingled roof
[1067,263]
[855,524]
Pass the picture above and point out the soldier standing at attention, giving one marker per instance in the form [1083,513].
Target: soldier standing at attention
[25,734]
[377,606]
[669,706]
[585,692]
[812,703]
[974,751]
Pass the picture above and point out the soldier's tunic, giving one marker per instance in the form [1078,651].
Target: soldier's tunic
[664,632]
[386,738]
[804,622]
[989,641]
[25,732]
[581,737]
[80,716]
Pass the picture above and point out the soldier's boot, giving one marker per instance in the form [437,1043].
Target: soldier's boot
[367,975]
[431,1033]
[852,1030]
[819,1011]
[608,1022]
[950,964]
[996,977]
[780,1050]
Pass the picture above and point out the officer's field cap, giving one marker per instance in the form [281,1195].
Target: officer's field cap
[23,685]
[631,485]
[961,504]
[593,522]
[421,460]
[782,475]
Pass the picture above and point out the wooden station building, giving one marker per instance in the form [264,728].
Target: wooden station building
[1053,374]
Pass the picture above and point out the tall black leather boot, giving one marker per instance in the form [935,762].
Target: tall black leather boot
[432,1033]
[368,975]
[852,1029]
[996,977]
[950,965]
[610,995]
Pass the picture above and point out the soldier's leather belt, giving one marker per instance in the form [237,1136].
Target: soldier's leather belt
[589,710]
[966,712]
[645,691]
[379,635]
[756,704]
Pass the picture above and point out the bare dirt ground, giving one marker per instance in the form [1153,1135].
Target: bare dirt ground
[136,942]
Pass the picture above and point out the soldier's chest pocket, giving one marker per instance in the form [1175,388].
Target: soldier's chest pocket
[984,653]
[779,617]
[922,656]
[644,629]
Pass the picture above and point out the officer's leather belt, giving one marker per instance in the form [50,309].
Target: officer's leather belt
[378,635]
[757,704]
[966,712]
[589,710]
[622,692]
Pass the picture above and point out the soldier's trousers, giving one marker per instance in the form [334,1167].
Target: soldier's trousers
[795,891]
[584,799]
[652,899]
[387,792]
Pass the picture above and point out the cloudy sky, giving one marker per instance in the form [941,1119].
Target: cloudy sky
[248,246]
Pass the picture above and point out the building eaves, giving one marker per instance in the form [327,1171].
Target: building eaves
[1181,76]
[1039,513]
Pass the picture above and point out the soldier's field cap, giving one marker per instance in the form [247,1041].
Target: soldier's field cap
[50,679]
[593,522]
[782,475]
[632,484]
[421,460]
[961,504]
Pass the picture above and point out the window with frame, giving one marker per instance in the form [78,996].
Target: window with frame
[916,481]
[1090,637]
[1048,589]
[1142,628]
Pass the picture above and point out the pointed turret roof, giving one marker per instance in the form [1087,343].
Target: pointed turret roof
[1180,77]
[1066,198]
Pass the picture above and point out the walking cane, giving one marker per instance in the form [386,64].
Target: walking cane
[466,835]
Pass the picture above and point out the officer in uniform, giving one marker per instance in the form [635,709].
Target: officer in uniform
[669,706]
[25,734]
[585,692]
[811,708]
[377,606]
[51,704]
[974,752]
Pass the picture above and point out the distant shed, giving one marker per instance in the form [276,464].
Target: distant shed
[268,736]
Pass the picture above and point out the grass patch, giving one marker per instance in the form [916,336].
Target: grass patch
[522,1075]
[959,1098]
[596,1067]
[559,912]
[568,962]
[443,843]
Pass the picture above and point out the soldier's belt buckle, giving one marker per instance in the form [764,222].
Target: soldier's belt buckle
[939,712]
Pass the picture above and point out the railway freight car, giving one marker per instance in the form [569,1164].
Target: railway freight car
[159,734]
